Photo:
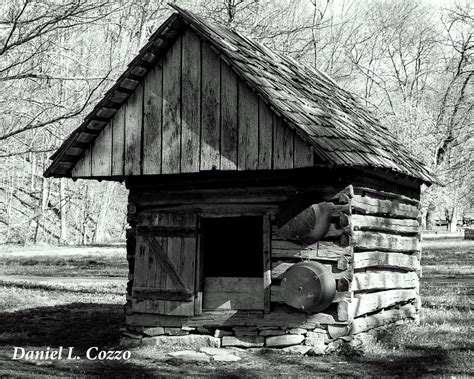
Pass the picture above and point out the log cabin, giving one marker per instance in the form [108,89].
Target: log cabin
[267,206]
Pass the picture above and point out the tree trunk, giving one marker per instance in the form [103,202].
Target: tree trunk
[99,232]
[453,222]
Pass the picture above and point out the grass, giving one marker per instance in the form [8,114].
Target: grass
[81,306]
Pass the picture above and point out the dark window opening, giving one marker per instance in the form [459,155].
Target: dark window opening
[232,247]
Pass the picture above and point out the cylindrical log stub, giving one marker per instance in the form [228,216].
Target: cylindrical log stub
[308,286]
[309,226]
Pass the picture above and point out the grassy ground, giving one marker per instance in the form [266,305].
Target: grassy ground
[82,307]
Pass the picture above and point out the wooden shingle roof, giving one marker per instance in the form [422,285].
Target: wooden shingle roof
[340,129]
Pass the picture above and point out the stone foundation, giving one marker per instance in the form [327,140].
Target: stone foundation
[311,341]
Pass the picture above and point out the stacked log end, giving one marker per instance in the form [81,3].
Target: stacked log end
[385,260]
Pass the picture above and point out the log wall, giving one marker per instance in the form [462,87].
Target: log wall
[372,248]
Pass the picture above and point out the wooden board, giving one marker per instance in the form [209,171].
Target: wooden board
[340,296]
[303,153]
[171,155]
[265,136]
[371,302]
[229,100]
[267,263]
[247,128]
[370,205]
[102,153]
[282,144]
[152,115]
[385,259]
[118,143]
[191,102]
[321,249]
[133,132]
[385,242]
[385,224]
[83,166]
[378,280]
[233,293]
[210,109]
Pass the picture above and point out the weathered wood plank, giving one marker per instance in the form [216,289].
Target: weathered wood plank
[383,280]
[191,102]
[248,128]
[369,205]
[363,324]
[384,259]
[282,144]
[367,303]
[303,153]
[102,153]
[385,242]
[152,112]
[277,297]
[384,224]
[265,136]
[171,155]
[384,195]
[229,100]
[133,131]
[229,318]
[118,142]
[161,294]
[210,108]
[267,263]
[321,249]
[83,166]
[233,293]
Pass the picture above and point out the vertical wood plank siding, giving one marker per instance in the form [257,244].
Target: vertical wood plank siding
[193,113]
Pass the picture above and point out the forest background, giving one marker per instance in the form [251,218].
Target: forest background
[410,62]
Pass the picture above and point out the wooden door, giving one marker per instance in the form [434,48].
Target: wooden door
[165,265]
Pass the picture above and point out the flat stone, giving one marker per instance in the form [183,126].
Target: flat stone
[219,333]
[285,340]
[154,331]
[129,342]
[188,328]
[245,330]
[189,355]
[243,341]
[226,358]
[297,331]
[297,349]
[271,332]
[176,332]
[314,339]
[317,350]
[132,335]
[203,330]
[191,341]
[215,351]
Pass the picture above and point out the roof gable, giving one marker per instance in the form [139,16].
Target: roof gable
[340,130]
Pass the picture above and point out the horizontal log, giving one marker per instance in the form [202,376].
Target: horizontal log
[385,259]
[321,249]
[383,280]
[280,317]
[277,298]
[161,294]
[385,224]
[369,205]
[279,268]
[166,231]
[379,194]
[362,304]
[214,209]
[363,324]
[385,242]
